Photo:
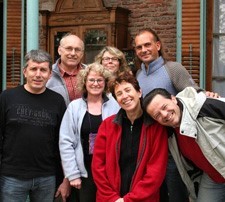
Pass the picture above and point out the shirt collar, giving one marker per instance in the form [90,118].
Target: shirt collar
[65,73]
[153,66]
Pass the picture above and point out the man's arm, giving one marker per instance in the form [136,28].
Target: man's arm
[213,108]
[64,190]
[179,76]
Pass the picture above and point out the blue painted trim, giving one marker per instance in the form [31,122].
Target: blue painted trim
[22,41]
[32,25]
[202,43]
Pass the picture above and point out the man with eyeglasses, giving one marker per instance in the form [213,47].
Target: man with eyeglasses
[64,74]
[66,68]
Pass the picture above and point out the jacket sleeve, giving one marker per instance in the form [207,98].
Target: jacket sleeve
[179,76]
[59,169]
[213,108]
[147,188]
[104,187]
[68,142]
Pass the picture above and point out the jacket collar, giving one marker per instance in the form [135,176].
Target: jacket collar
[153,66]
[122,114]
[55,67]
[104,97]
[192,101]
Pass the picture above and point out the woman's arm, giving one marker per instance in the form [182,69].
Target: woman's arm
[68,142]
[104,187]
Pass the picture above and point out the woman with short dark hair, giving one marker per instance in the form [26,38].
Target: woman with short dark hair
[130,154]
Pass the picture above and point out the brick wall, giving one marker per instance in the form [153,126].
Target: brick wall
[160,15]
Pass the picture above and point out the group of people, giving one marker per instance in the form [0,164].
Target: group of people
[97,132]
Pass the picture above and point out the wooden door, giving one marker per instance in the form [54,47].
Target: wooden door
[95,37]
[95,24]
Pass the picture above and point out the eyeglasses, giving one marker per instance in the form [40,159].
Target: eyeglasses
[107,59]
[99,81]
[70,49]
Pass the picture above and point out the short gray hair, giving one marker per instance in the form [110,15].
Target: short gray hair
[38,56]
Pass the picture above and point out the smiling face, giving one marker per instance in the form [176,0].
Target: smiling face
[165,111]
[110,62]
[127,96]
[147,47]
[71,51]
[95,84]
[37,75]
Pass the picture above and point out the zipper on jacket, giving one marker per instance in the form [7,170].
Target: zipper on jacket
[131,129]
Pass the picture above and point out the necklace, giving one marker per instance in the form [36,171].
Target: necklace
[92,135]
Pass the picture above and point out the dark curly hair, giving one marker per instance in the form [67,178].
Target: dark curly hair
[126,76]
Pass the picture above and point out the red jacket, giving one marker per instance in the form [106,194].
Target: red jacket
[151,165]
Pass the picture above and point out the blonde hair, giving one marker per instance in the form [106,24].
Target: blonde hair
[83,74]
[117,53]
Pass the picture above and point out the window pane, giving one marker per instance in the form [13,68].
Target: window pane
[95,40]
[219,47]
[219,16]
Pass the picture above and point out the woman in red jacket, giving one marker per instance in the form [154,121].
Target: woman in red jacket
[130,154]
